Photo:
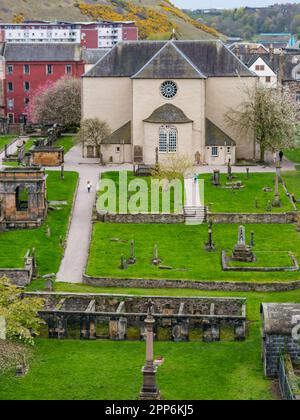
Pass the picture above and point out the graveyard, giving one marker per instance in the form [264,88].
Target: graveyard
[182,248]
[47,237]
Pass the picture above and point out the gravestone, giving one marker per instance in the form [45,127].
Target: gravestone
[123,265]
[252,239]
[242,252]
[248,173]
[216,178]
[155,259]
[198,158]
[210,246]
[132,259]
[229,170]
[276,202]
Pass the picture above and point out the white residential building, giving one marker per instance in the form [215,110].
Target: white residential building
[263,70]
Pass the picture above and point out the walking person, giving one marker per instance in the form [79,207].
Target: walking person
[89,186]
[275,157]
[281,154]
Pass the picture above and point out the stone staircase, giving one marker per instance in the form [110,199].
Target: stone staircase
[195,215]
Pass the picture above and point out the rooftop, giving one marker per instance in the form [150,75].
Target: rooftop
[42,52]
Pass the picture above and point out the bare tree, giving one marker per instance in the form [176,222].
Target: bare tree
[57,103]
[92,132]
[271,114]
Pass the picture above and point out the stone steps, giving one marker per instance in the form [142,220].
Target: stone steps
[195,215]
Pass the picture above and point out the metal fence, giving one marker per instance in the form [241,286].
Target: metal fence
[285,386]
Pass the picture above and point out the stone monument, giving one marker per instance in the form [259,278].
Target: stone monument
[276,202]
[155,259]
[132,259]
[210,246]
[149,389]
[242,252]
[216,178]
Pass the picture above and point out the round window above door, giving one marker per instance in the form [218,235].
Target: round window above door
[168,89]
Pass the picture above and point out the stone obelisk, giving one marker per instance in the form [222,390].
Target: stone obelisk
[149,389]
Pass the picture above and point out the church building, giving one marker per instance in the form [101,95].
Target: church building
[168,97]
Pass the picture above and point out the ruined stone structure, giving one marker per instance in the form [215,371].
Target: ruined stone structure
[121,317]
[281,334]
[47,156]
[22,197]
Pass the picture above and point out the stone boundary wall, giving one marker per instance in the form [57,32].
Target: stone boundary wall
[141,218]
[21,276]
[253,218]
[190,284]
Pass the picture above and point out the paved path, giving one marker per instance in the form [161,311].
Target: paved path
[78,241]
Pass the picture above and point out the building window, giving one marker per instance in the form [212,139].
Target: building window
[118,149]
[11,118]
[259,68]
[26,86]
[268,79]
[297,96]
[228,150]
[26,101]
[10,103]
[49,69]
[10,69]
[168,139]
[26,68]
[214,151]
[10,87]
[169,89]
[69,69]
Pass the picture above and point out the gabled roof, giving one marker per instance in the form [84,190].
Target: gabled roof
[214,136]
[208,58]
[122,134]
[42,52]
[169,114]
[169,62]
[93,55]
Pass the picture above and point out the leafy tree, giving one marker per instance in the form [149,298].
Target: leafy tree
[92,132]
[271,114]
[21,315]
[175,167]
[58,103]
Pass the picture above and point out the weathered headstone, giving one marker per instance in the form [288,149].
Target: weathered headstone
[252,239]
[123,265]
[216,180]
[155,259]
[269,206]
[248,173]
[132,259]
[242,252]
[210,246]
[229,170]
[276,202]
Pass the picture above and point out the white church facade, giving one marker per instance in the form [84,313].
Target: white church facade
[164,98]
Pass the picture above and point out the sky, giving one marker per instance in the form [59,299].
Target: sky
[208,4]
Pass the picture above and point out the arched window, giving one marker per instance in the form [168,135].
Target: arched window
[168,139]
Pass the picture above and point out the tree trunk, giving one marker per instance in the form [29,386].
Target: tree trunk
[262,154]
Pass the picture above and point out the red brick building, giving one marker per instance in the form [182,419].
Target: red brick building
[30,66]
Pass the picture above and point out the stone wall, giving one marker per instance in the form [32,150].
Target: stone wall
[141,218]
[19,277]
[274,347]
[47,156]
[253,218]
[190,284]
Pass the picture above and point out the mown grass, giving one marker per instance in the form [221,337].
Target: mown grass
[121,189]
[293,155]
[14,244]
[111,370]
[5,140]
[250,199]
[182,247]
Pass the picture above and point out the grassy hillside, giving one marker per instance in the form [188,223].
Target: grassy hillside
[155,18]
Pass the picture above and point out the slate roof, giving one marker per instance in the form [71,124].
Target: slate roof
[214,136]
[170,114]
[169,62]
[42,52]
[93,55]
[123,134]
[208,58]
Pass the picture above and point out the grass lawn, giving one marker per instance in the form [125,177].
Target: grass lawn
[13,244]
[292,181]
[67,142]
[182,247]
[115,177]
[220,199]
[5,140]
[111,370]
[293,155]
